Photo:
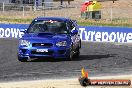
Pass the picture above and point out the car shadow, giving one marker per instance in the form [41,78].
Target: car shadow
[80,58]
[92,57]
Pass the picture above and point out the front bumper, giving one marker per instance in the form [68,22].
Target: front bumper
[54,52]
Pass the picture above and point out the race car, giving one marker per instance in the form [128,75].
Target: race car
[50,37]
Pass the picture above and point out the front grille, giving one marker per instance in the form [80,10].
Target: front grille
[42,45]
[50,52]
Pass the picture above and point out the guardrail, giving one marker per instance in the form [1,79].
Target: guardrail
[87,33]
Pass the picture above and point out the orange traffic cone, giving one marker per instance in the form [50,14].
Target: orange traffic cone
[84,81]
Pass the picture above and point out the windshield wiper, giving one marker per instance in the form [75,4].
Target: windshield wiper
[45,33]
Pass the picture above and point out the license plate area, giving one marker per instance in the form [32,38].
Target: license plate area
[42,50]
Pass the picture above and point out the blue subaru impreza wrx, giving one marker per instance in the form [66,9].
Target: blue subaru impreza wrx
[50,37]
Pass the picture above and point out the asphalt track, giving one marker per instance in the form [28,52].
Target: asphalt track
[97,58]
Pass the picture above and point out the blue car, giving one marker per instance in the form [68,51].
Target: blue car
[50,37]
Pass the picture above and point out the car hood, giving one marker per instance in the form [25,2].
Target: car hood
[45,37]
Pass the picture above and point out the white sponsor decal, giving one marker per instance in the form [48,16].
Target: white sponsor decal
[10,32]
[105,36]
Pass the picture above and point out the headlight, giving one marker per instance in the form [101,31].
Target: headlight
[62,43]
[24,43]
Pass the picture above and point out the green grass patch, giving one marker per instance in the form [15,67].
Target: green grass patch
[15,20]
[104,24]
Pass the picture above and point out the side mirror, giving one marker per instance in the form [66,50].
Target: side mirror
[23,30]
[74,31]
[75,22]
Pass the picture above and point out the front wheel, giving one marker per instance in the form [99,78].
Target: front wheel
[70,56]
[22,59]
[77,52]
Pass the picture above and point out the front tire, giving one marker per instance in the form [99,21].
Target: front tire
[77,52]
[70,56]
[22,59]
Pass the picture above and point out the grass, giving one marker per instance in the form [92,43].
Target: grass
[82,22]
[104,24]
[15,20]
[123,22]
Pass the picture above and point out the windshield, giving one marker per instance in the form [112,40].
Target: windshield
[47,26]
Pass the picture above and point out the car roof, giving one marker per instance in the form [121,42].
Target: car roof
[52,18]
